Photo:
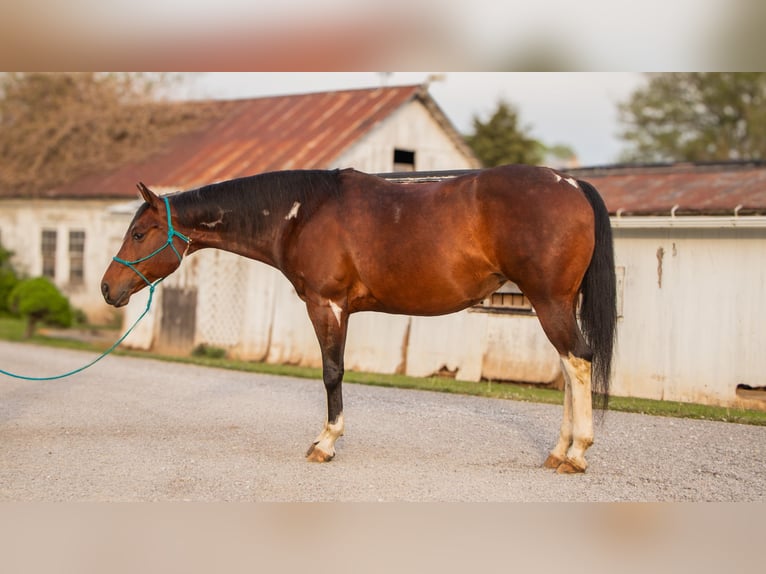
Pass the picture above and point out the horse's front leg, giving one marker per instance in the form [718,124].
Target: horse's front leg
[330,322]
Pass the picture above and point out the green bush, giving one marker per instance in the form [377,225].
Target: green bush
[8,279]
[39,301]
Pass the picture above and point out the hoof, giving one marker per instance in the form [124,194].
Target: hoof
[316,454]
[552,462]
[570,467]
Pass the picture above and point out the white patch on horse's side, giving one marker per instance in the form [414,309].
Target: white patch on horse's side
[570,180]
[293,211]
[212,224]
[336,310]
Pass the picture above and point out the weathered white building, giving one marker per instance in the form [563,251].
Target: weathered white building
[690,244]
[70,233]
[693,312]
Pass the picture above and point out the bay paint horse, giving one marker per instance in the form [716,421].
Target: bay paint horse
[350,241]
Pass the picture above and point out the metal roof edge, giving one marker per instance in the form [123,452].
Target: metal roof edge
[689,222]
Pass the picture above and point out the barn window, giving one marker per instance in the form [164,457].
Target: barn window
[77,257]
[404,160]
[48,247]
[507,299]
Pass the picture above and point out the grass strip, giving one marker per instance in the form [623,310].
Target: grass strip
[13,330]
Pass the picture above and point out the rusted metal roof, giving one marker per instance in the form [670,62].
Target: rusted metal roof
[729,188]
[311,130]
[252,136]
[682,189]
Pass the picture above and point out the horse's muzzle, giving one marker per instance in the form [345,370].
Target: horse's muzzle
[119,300]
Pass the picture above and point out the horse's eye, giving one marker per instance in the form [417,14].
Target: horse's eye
[137,236]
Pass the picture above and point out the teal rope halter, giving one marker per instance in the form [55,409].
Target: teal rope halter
[172,233]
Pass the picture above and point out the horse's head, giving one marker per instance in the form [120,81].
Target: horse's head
[150,251]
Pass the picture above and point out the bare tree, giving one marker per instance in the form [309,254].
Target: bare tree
[55,128]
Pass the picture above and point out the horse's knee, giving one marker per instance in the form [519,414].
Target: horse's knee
[332,374]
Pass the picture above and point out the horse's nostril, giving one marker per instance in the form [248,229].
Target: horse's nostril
[105,289]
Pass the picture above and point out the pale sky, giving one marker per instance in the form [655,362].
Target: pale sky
[578,109]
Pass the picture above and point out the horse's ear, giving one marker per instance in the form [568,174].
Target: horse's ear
[149,196]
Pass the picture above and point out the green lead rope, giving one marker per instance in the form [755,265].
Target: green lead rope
[172,233]
[97,359]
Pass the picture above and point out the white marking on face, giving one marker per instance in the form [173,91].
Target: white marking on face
[336,310]
[266,212]
[293,211]
[557,176]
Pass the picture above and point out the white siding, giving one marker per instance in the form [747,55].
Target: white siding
[21,225]
[693,313]
[411,127]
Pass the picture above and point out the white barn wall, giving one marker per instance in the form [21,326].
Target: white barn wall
[411,127]
[21,226]
[692,324]
[377,343]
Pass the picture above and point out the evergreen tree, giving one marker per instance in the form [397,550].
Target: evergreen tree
[501,140]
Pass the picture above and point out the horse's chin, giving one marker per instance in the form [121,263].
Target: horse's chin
[120,301]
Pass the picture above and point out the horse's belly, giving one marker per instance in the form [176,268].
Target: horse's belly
[435,295]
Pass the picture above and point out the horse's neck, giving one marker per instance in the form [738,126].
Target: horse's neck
[233,230]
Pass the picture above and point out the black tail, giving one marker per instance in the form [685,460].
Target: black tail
[598,310]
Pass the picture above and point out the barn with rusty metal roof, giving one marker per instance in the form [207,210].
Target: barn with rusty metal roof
[69,233]
[690,246]
[377,129]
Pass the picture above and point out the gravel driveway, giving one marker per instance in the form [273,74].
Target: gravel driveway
[141,430]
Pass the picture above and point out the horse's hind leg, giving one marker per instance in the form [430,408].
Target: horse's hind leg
[576,434]
[577,372]
[559,452]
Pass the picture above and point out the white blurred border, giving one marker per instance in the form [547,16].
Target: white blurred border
[594,35]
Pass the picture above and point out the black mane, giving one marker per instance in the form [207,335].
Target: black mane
[256,204]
